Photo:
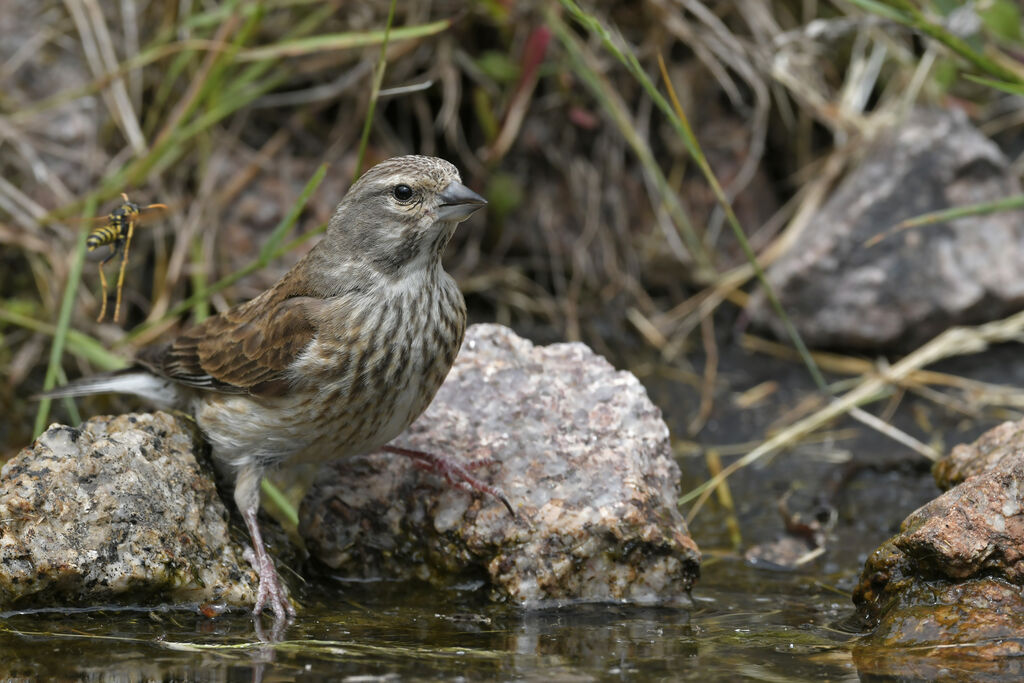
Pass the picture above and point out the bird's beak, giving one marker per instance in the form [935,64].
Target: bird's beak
[458,202]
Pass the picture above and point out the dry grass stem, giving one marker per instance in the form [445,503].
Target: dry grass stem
[953,342]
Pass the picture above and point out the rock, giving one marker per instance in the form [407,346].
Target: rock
[954,573]
[116,510]
[916,283]
[996,449]
[971,628]
[579,449]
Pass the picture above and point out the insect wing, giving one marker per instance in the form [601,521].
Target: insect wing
[151,213]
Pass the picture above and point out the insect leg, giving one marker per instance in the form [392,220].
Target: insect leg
[103,283]
[124,263]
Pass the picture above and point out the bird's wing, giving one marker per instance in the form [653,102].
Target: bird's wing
[247,349]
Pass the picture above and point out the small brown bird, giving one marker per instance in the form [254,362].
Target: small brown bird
[337,358]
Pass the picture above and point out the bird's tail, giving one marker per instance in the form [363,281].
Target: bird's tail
[135,381]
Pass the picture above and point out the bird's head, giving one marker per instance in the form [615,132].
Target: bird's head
[401,213]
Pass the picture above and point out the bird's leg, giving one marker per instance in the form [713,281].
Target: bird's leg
[271,591]
[454,473]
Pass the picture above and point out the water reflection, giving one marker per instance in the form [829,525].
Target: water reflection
[380,630]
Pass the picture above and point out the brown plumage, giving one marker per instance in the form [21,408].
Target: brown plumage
[338,357]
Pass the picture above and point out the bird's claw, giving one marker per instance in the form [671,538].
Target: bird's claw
[454,473]
[270,593]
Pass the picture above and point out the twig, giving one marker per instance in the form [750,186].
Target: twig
[707,389]
[953,342]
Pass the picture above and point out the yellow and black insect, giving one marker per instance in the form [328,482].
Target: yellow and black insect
[116,232]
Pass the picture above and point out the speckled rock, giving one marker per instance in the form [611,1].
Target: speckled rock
[118,510]
[955,572]
[996,449]
[578,448]
[914,284]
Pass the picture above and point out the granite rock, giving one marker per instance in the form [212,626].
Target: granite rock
[577,447]
[117,510]
[909,287]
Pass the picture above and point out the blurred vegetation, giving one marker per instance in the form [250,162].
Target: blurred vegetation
[610,209]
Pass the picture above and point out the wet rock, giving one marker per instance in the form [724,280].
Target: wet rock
[933,629]
[996,449]
[954,573]
[117,510]
[916,283]
[579,449]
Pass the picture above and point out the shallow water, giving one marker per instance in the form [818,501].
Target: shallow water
[776,631]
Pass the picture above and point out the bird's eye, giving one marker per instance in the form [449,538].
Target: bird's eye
[403,193]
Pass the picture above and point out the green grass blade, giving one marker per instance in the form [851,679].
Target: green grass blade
[81,345]
[282,229]
[906,13]
[880,9]
[1011,88]
[67,305]
[343,41]
[212,71]
[378,78]
[278,498]
[980,209]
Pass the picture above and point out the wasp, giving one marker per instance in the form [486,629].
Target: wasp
[116,232]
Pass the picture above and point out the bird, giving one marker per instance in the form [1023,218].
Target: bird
[335,359]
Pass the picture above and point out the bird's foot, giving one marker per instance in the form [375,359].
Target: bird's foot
[454,473]
[271,592]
